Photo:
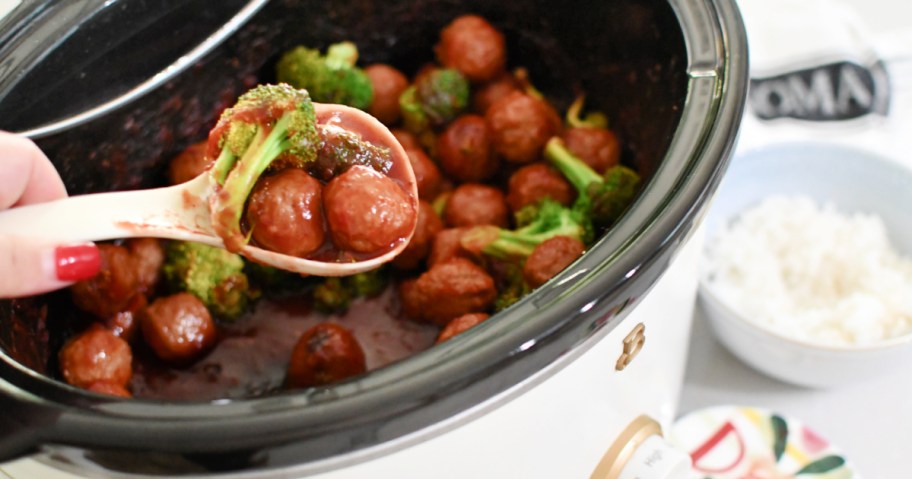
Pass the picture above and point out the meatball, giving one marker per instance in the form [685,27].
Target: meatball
[428,179]
[411,299]
[429,224]
[488,94]
[448,290]
[461,325]
[406,139]
[520,125]
[427,175]
[110,291]
[325,353]
[551,257]
[178,328]
[125,324]
[533,183]
[148,257]
[474,204]
[109,388]
[474,47]
[367,212]
[285,213]
[189,164]
[448,244]
[464,150]
[388,84]
[96,355]
[597,147]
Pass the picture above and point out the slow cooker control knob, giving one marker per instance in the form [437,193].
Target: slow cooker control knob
[640,452]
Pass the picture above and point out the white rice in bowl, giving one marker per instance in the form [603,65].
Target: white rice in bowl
[811,273]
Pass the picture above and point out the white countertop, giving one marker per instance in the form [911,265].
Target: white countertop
[870,422]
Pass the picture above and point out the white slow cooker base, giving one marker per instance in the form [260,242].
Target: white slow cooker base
[558,423]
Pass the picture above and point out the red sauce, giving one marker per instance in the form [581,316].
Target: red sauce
[190,201]
[252,354]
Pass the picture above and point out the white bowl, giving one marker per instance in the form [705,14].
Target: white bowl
[853,180]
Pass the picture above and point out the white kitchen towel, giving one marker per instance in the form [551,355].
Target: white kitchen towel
[818,73]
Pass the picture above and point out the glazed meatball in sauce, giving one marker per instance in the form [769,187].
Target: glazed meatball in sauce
[448,244]
[474,47]
[324,354]
[597,147]
[109,389]
[475,204]
[427,175]
[125,324]
[388,84]
[285,213]
[488,94]
[367,212]
[520,125]
[178,328]
[96,355]
[189,164]
[460,325]
[551,257]
[448,290]
[148,256]
[533,183]
[429,225]
[464,150]
[406,139]
[111,290]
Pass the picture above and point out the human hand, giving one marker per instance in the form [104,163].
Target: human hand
[28,265]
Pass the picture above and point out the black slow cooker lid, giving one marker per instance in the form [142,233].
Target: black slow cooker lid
[66,62]
[671,75]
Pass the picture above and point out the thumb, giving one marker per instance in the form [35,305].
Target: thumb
[30,267]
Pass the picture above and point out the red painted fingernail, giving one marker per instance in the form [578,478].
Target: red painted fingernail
[75,263]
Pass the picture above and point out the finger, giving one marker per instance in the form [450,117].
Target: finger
[26,174]
[44,183]
[28,267]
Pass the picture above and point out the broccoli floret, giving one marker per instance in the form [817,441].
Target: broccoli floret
[271,126]
[443,93]
[335,294]
[330,78]
[601,198]
[332,296]
[511,287]
[413,116]
[369,283]
[341,149]
[274,281]
[436,98]
[527,214]
[213,275]
[552,220]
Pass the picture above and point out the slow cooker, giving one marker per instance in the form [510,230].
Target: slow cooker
[565,383]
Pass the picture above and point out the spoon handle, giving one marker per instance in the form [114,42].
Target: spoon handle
[174,212]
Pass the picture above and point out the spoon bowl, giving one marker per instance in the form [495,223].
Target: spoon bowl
[182,212]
